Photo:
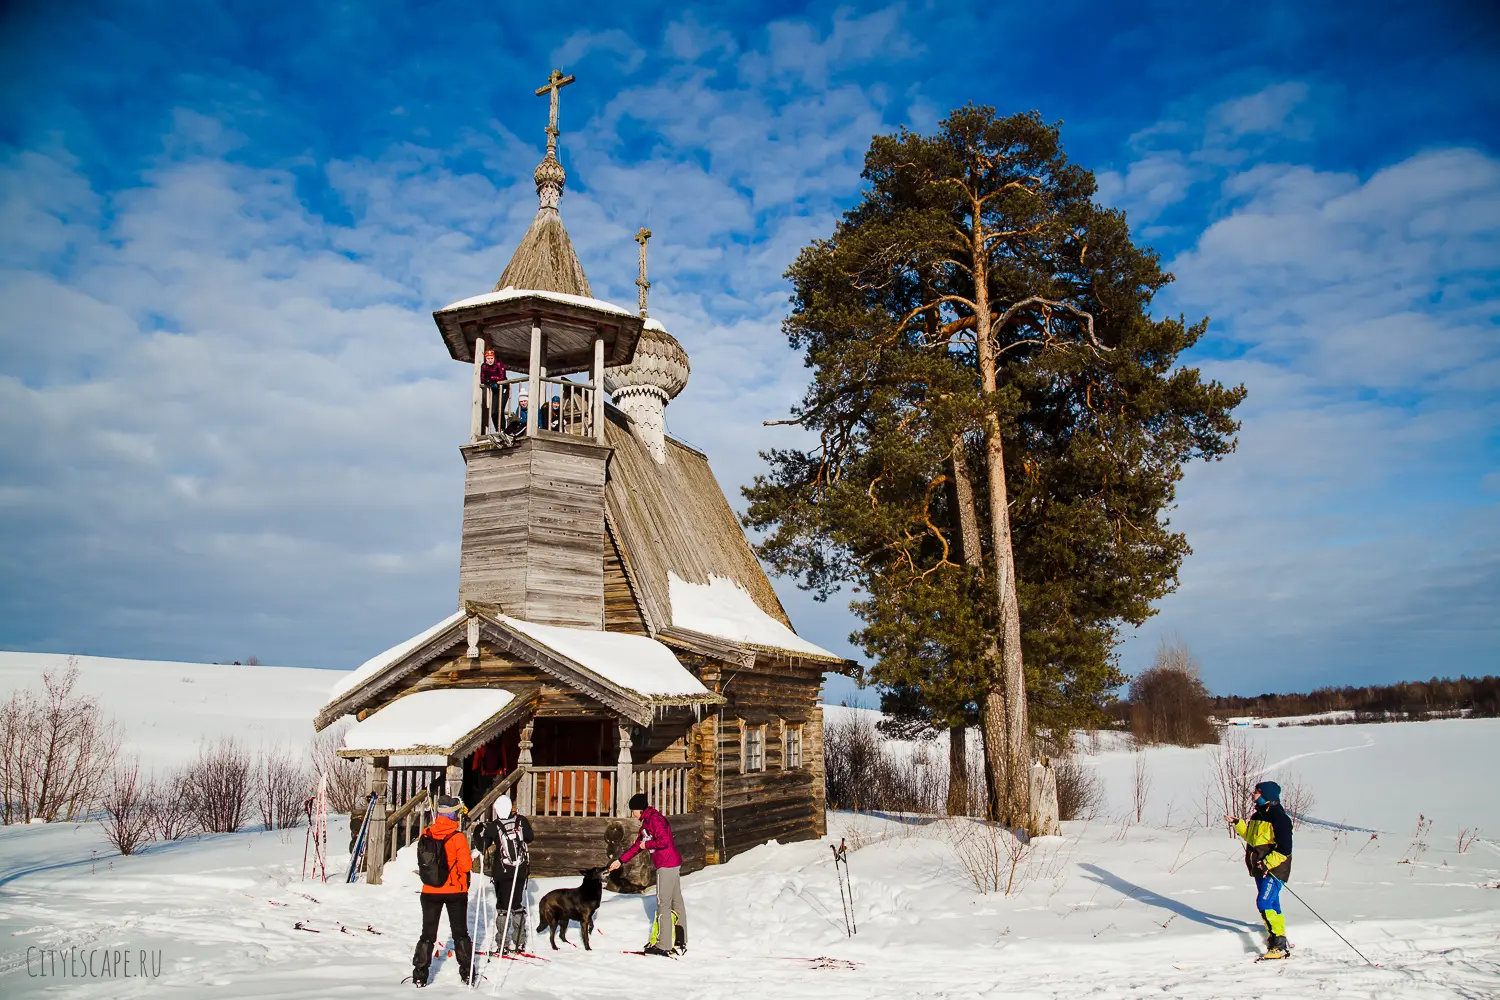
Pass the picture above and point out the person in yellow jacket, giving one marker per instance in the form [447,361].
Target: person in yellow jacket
[1267,834]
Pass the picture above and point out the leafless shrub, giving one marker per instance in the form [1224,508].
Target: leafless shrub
[1418,845]
[1297,798]
[174,805]
[281,786]
[345,779]
[1079,790]
[1236,766]
[990,855]
[127,809]
[1466,838]
[1168,702]
[221,785]
[863,774]
[1140,785]
[56,747]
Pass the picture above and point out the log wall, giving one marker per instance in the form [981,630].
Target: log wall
[745,810]
[567,845]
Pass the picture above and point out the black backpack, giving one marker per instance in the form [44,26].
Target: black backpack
[432,859]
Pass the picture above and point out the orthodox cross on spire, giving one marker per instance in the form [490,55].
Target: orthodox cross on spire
[549,174]
[640,281]
[555,82]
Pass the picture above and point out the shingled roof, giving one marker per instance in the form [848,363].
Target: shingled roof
[676,531]
[545,260]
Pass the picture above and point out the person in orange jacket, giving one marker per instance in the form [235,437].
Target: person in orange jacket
[444,863]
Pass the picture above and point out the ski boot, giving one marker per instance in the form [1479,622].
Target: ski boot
[1277,949]
[679,945]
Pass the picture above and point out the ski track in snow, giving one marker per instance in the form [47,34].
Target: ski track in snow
[1271,768]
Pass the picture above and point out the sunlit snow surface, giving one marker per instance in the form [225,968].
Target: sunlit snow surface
[1111,909]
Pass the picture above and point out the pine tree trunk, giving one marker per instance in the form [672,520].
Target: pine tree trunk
[958,771]
[1006,692]
[992,702]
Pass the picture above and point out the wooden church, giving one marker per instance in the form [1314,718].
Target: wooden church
[615,633]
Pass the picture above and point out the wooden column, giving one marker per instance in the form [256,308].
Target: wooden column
[598,414]
[476,412]
[535,378]
[525,799]
[377,778]
[453,777]
[624,774]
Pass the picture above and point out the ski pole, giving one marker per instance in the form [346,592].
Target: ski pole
[476,925]
[307,841]
[1325,923]
[849,877]
[843,900]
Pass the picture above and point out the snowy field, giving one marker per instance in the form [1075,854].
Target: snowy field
[1111,909]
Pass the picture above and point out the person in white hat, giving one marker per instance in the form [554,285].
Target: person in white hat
[517,425]
[507,858]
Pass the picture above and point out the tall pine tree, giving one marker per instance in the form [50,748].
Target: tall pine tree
[977,311]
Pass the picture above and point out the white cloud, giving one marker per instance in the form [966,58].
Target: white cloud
[1345,532]
[235,423]
[581,44]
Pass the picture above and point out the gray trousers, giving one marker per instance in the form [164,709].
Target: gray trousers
[669,901]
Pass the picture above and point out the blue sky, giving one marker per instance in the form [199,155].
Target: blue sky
[228,427]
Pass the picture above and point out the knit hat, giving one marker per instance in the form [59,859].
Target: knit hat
[1269,790]
[502,807]
[638,800]
[448,805]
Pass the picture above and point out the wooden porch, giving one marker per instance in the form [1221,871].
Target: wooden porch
[577,811]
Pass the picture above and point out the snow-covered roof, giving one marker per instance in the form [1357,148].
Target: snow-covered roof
[633,662]
[432,721]
[651,323]
[380,661]
[724,609]
[506,294]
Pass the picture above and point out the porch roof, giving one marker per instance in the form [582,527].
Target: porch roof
[445,721]
[630,674]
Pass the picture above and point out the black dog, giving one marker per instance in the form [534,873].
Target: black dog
[560,906]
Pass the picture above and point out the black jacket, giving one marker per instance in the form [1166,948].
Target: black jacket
[1280,842]
[494,834]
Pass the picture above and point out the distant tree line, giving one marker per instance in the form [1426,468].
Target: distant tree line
[1476,695]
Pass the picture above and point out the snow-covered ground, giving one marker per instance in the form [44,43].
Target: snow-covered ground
[1110,909]
[166,709]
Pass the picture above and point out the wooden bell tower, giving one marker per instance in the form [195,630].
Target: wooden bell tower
[533,527]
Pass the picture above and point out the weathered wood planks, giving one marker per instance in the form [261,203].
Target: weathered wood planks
[533,530]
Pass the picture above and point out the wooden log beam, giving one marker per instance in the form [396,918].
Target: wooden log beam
[525,792]
[476,410]
[377,777]
[535,378]
[597,416]
[624,777]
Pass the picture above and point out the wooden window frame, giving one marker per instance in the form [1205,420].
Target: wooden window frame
[748,758]
[788,739]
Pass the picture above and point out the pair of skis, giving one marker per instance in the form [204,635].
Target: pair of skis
[359,843]
[317,833]
[846,886]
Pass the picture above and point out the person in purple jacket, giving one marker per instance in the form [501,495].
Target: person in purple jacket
[492,379]
[655,835]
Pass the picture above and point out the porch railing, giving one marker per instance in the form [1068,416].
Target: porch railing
[572,791]
[406,789]
[574,410]
[664,785]
[498,408]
